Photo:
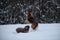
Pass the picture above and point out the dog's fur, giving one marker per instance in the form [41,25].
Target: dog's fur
[34,25]
[23,30]
[32,20]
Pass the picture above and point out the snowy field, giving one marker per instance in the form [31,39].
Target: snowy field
[43,32]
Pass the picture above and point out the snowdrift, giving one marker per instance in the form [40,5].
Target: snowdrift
[43,32]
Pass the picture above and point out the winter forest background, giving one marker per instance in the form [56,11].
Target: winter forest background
[44,11]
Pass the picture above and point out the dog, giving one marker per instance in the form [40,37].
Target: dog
[23,30]
[32,20]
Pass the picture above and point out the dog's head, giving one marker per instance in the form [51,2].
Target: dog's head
[27,27]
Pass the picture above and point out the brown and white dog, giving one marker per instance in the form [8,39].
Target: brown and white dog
[32,20]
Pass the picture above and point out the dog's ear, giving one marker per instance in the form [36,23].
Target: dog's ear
[27,27]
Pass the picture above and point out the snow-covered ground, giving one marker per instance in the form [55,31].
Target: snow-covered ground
[43,32]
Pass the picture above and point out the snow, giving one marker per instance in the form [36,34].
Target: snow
[43,32]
